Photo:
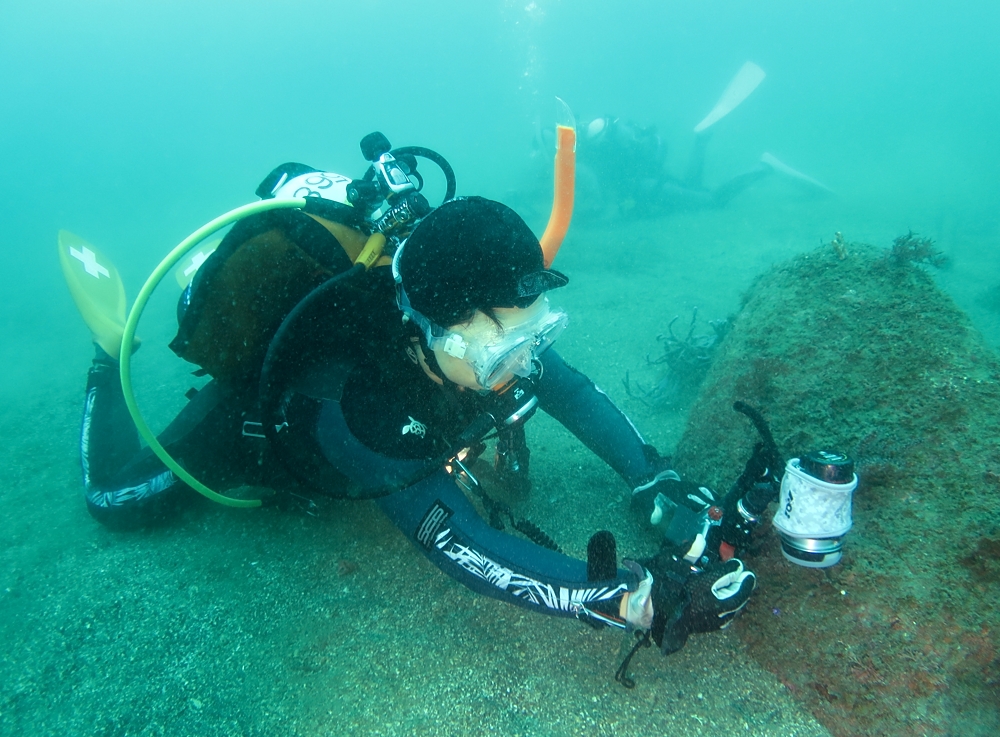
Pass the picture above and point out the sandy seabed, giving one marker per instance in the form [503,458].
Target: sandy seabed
[276,622]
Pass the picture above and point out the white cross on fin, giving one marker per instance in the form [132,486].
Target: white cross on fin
[196,261]
[89,261]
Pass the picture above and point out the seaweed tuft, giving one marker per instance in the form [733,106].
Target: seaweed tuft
[913,249]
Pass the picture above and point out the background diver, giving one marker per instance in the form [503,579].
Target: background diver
[622,165]
[384,382]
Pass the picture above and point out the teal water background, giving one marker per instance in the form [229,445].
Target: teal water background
[132,124]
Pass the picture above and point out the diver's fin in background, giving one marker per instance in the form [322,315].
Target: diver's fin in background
[746,80]
[97,290]
[779,166]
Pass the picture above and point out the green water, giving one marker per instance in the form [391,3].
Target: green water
[132,125]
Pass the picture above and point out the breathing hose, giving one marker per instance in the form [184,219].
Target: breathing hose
[125,358]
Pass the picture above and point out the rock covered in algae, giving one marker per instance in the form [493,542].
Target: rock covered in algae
[864,354]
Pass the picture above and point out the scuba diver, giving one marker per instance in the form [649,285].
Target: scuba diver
[622,165]
[380,374]
[627,165]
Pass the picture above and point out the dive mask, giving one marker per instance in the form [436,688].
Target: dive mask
[495,353]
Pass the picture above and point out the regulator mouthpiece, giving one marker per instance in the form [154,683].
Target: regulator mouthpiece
[814,508]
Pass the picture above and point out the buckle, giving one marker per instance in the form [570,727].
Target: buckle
[253,430]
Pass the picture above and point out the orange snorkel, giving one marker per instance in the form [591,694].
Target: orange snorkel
[565,176]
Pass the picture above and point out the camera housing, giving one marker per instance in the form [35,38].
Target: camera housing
[814,508]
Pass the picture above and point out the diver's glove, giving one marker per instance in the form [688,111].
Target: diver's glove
[637,604]
[654,498]
[686,513]
[703,601]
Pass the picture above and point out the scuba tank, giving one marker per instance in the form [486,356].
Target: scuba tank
[271,261]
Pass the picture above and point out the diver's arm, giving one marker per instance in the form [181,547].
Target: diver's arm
[587,412]
[439,519]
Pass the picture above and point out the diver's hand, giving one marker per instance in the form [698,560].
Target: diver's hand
[650,499]
[701,602]
[637,605]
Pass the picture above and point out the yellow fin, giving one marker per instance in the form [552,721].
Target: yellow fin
[96,288]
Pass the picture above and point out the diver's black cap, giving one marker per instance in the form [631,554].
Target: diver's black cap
[470,254]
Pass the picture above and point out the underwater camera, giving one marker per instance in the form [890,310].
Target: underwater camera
[814,508]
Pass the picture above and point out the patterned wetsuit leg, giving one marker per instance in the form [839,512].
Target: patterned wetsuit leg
[126,485]
[109,443]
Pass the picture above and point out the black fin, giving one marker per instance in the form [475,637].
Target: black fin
[602,557]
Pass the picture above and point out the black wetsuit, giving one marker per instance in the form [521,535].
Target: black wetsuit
[390,418]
